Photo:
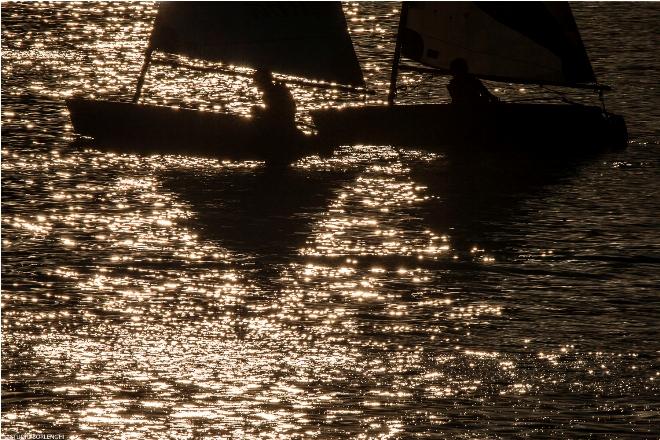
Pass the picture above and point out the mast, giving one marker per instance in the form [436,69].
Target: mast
[397,54]
[147,58]
[143,73]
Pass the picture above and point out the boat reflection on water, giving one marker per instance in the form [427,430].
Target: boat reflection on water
[274,213]
[262,210]
[478,194]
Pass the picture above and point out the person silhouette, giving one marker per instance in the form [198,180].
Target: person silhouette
[279,107]
[465,89]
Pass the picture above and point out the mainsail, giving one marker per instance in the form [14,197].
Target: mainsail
[519,42]
[307,39]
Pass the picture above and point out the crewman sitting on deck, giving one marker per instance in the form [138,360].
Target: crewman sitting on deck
[465,89]
[279,110]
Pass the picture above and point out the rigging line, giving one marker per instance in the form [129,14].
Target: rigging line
[560,95]
[229,71]
[443,71]
[534,100]
[601,97]
[425,79]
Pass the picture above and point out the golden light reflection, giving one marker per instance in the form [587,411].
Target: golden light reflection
[123,317]
[360,223]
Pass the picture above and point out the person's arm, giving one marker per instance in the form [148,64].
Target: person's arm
[451,88]
[484,90]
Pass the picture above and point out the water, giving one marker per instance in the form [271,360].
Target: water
[375,294]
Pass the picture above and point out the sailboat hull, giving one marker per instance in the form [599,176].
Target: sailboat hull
[520,128]
[146,129]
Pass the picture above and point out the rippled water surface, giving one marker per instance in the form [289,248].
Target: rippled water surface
[380,293]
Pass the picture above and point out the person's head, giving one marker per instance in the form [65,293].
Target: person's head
[262,77]
[458,67]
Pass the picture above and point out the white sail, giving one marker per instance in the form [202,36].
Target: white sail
[307,39]
[521,41]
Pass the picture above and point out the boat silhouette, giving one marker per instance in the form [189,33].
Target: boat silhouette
[527,43]
[300,39]
[534,43]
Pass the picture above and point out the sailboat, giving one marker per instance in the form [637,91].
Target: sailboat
[512,42]
[522,43]
[298,39]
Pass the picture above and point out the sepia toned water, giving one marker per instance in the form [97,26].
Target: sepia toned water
[380,293]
